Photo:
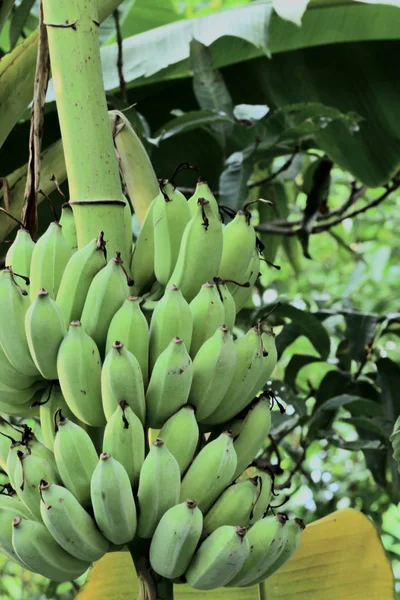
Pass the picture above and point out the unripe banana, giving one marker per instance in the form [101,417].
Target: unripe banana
[51,401]
[14,304]
[181,436]
[264,498]
[159,487]
[200,252]
[19,255]
[49,259]
[124,440]
[175,539]
[171,214]
[129,326]
[8,433]
[169,384]
[45,329]
[15,400]
[294,529]
[15,447]
[247,373]
[219,558]
[36,448]
[112,499]
[251,434]
[121,379]
[238,248]
[10,507]
[76,458]
[79,373]
[27,475]
[208,313]
[210,472]
[171,318]
[28,409]
[81,268]
[270,358]
[106,294]
[242,294]
[235,505]
[213,369]
[267,540]
[37,549]
[69,524]
[142,264]
[228,301]
[10,377]
[203,191]
[67,222]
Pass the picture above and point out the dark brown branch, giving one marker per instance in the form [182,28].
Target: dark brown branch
[122,83]
[281,169]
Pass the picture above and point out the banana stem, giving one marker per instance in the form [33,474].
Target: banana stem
[93,177]
[150,588]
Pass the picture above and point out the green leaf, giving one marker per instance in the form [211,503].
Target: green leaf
[250,112]
[296,363]
[389,381]
[188,121]
[306,324]
[233,181]
[291,11]
[18,20]
[360,332]
[354,404]
[333,384]
[377,425]
[355,445]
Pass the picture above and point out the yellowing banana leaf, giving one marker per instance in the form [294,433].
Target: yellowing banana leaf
[340,557]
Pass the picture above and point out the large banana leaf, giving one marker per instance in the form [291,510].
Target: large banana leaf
[340,557]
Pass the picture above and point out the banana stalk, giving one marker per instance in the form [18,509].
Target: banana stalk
[17,72]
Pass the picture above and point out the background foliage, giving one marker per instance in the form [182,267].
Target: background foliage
[314,129]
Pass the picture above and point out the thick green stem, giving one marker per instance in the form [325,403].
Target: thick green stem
[150,587]
[93,177]
[17,71]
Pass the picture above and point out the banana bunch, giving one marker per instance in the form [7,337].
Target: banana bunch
[149,407]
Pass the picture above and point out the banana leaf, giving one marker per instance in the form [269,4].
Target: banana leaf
[340,556]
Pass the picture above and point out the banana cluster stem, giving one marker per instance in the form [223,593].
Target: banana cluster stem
[150,588]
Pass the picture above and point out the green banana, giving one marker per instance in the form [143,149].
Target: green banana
[124,440]
[36,448]
[180,433]
[29,469]
[234,506]
[8,434]
[76,458]
[210,472]
[213,369]
[106,294]
[51,401]
[228,301]
[242,294]
[159,487]
[203,191]
[10,507]
[270,358]
[267,540]
[169,384]
[10,377]
[208,313]
[79,374]
[13,305]
[238,248]
[294,529]
[263,501]
[171,318]
[121,379]
[175,539]
[67,222]
[200,251]
[16,399]
[142,263]
[171,214]
[251,433]
[69,524]
[37,549]
[19,254]
[45,330]
[218,560]
[78,275]
[129,326]
[26,410]
[49,259]
[112,500]
[248,367]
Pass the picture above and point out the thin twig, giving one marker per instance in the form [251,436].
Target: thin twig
[281,169]
[122,83]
